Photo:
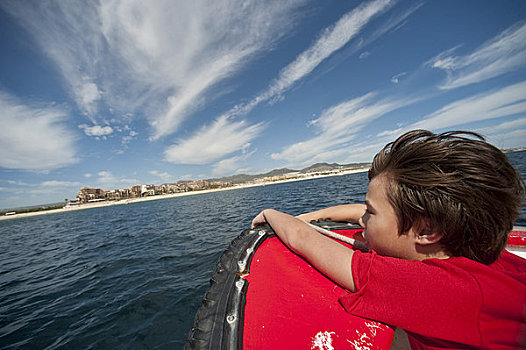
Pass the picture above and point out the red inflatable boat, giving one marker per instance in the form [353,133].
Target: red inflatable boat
[263,296]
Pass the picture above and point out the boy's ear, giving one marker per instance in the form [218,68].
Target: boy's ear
[424,234]
[429,238]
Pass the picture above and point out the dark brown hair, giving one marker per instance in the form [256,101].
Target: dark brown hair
[453,183]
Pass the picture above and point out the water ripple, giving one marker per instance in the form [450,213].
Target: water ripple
[132,276]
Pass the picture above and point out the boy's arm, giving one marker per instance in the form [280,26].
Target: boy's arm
[346,212]
[329,257]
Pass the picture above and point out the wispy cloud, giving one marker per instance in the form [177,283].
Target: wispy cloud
[393,23]
[396,79]
[508,139]
[337,126]
[18,183]
[107,180]
[330,40]
[519,123]
[34,137]
[511,133]
[507,101]
[226,166]
[213,142]
[502,54]
[54,190]
[233,164]
[106,177]
[163,176]
[67,34]
[61,184]
[159,57]
[364,55]
[390,132]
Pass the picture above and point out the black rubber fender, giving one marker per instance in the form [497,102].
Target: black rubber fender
[219,321]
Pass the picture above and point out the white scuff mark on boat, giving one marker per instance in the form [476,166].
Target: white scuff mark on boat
[361,342]
[365,339]
[374,326]
[323,341]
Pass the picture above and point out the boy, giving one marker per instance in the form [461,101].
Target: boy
[436,218]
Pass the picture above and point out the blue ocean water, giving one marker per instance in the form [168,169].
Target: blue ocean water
[133,276]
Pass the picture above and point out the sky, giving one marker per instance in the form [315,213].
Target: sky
[111,94]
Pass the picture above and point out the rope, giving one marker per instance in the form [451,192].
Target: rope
[351,241]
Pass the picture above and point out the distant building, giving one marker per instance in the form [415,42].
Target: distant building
[136,191]
[197,185]
[86,194]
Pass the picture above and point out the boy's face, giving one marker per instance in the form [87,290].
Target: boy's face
[381,225]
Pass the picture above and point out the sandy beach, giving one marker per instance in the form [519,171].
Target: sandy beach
[166,196]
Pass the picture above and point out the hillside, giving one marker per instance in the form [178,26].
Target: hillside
[315,168]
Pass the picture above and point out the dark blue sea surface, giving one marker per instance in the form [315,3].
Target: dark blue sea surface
[133,276]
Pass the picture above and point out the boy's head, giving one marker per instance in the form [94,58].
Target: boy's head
[455,184]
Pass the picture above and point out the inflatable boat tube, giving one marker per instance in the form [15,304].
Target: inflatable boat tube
[263,296]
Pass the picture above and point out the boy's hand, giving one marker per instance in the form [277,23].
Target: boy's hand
[259,219]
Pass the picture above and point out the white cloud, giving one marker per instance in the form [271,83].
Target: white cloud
[61,184]
[213,142]
[512,125]
[508,134]
[96,130]
[226,166]
[444,60]
[126,182]
[365,151]
[332,39]
[393,23]
[67,34]
[232,165]
[164,176]
[106,177]
[34,138]
[126,139]
[390,132]
[502,54]
[106,180]
[396,79]
[88,95]
[504,102]
[18,183]
[364,55]
[509,139]
[159,57]
[337,126]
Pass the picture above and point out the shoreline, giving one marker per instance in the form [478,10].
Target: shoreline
[174,195]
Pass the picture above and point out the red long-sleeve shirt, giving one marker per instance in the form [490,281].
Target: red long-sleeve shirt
[443,303]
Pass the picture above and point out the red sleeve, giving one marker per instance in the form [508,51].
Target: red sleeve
[432,298]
